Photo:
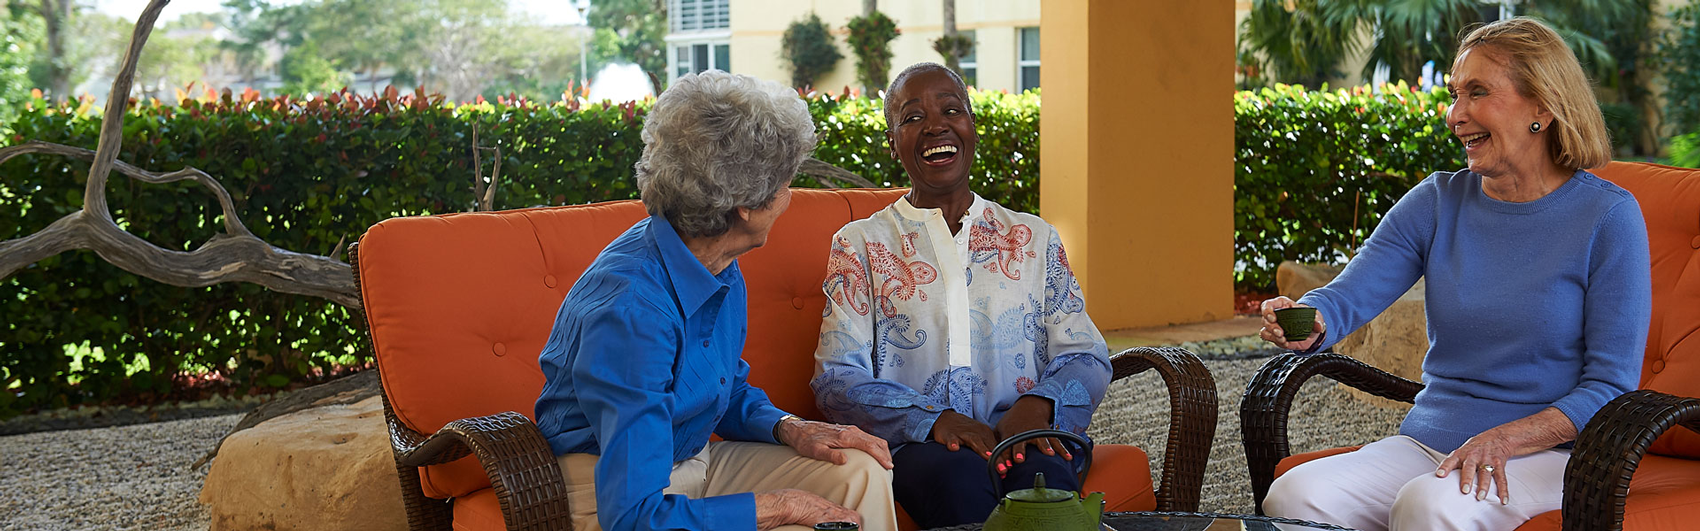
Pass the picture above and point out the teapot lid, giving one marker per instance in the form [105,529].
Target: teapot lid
[1041,494]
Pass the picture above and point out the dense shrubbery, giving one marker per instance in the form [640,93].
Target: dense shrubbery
[1315,171]
[307,175]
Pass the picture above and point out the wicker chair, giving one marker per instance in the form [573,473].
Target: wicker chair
[459,306]
[1634,431]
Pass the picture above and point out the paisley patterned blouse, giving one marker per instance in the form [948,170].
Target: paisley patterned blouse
[919,321]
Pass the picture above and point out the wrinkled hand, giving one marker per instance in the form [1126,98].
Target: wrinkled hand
[1493,448]
[955,430]
[822,441]
[776,508]
[1272,330]
[1029,413]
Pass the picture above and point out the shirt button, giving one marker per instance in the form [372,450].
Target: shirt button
[705,343]
[722,381]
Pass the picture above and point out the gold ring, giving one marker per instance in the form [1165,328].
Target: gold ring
[1488,468]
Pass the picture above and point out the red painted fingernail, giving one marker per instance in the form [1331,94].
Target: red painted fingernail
[988,454]
[1000,467]
[1020,457]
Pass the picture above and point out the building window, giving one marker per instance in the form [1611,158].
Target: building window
[1029,60]
[691,58]
[697,15]
[970,63]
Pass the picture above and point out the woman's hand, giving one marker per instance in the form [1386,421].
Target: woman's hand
[821,441]
[1029,413]
[1481,461]
[775,508]
[955,430]
[1272,330]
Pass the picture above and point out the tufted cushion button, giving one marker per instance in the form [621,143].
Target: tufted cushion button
[1658,366]
[549,280]
[499,349]
[797,302]
[1695,243]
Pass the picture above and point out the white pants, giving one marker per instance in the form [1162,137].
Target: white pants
[1390,485]
[861,484]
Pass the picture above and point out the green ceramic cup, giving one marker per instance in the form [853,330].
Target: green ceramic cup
[1296,322]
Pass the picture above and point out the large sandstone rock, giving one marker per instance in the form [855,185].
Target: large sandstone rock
[323,468]
[1394,341]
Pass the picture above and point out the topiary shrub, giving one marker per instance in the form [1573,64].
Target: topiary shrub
[808,49]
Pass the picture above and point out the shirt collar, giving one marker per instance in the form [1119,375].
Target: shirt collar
[692,283]
[911,212]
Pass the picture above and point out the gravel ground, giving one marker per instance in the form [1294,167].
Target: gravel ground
[119,478]
[1136,411]
[137,477]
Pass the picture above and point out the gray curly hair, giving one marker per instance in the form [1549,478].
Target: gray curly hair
[715,142]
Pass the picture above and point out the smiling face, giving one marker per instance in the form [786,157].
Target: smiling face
[932,133]
[1492,118]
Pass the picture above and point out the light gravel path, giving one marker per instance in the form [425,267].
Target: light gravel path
[137,477]
[122,478]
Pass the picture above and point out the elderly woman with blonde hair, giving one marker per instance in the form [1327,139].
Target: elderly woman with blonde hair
[643,363]
[1538,302]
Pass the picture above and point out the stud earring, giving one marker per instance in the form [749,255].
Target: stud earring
[1535,127]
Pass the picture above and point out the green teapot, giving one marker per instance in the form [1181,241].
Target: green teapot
[1039,508]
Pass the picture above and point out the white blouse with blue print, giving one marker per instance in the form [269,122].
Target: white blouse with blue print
[919,321]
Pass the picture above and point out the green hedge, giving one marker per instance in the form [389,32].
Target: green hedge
[306,175]
[1315,171]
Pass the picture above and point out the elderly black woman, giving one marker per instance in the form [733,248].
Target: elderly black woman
[643,363]
[1538,302]
[954,322]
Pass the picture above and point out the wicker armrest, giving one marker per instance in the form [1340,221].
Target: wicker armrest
[1596,482]
[1269,397]
[522,469]
[1192,420]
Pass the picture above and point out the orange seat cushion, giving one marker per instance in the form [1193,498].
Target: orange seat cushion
[1123,474]
[1295,460]
[1664,495]
[479,511]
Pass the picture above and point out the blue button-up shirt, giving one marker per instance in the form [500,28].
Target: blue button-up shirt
[642,365]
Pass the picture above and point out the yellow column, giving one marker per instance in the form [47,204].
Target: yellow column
[1138,140]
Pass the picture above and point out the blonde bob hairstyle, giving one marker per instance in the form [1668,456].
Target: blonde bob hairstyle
[1544,69]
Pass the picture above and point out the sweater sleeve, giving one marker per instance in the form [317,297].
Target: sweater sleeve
[1616,311]
[1387,265]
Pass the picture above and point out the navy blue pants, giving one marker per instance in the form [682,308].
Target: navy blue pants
[941,488]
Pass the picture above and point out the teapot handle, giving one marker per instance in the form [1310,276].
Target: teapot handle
[1079,443]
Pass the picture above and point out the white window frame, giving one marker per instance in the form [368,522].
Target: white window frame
[973,37]
[687,41]
[720,10]
[1021,62]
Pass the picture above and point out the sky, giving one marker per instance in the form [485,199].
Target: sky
[548,11]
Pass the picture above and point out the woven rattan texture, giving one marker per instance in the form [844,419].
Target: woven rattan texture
[1610,447]
[527,481]
[1192,420]
[1269,397]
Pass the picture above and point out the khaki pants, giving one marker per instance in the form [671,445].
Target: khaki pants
[722,468]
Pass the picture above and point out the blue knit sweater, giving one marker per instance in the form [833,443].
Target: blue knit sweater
[1530,305]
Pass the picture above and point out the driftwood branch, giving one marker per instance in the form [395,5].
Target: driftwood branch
[823,171]
[484,196]
[235,255]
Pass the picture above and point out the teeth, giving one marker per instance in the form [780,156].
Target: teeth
[940,149]
[1472,138]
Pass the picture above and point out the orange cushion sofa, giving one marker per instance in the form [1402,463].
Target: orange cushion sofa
[459,305]
[1633,467]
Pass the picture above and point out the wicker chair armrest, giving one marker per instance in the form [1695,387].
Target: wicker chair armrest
[1192,420]
[522,468]
[1269,398]
[1610,447]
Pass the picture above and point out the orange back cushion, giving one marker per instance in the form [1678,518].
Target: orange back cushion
[1670,202]
[460,305]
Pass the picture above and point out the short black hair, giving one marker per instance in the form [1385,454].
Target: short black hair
[919,68]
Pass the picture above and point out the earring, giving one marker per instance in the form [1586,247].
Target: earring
[1535,127]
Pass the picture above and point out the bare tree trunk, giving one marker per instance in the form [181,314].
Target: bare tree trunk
[235,255]
[951,60]
[869,7]
[57,13]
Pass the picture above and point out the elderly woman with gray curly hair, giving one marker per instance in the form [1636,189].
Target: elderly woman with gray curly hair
[643,363]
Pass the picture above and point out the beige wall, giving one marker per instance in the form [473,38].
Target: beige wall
[1138,155]
[757,26]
